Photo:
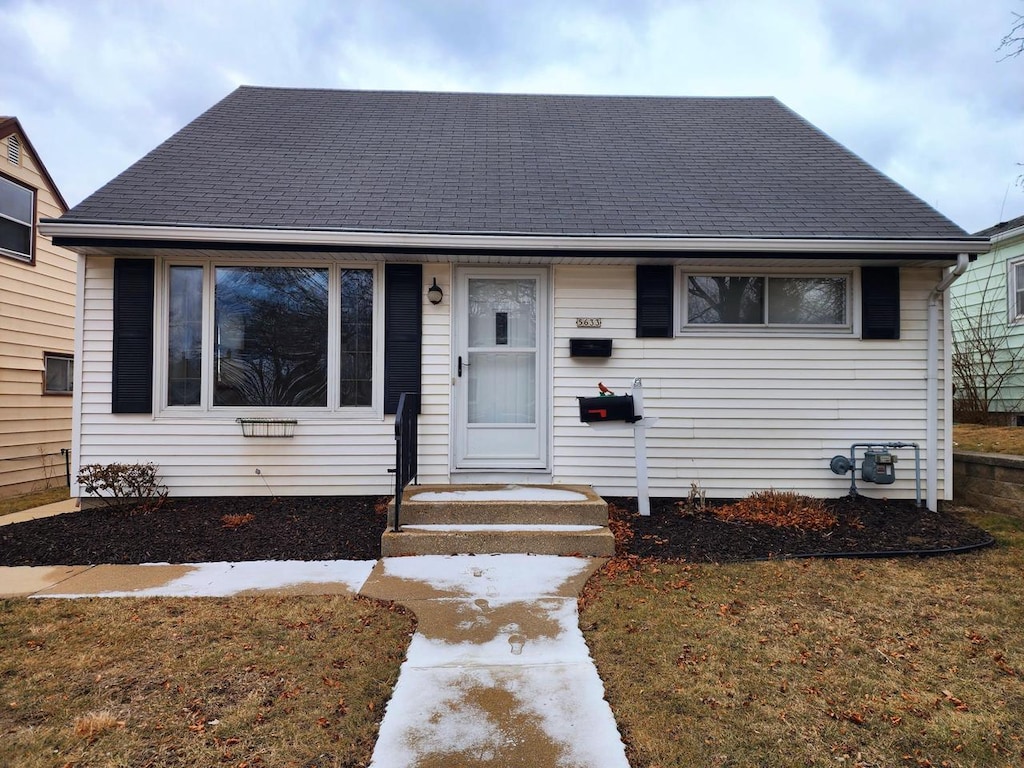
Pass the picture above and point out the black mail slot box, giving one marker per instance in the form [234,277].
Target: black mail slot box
[607,408]
[590,347]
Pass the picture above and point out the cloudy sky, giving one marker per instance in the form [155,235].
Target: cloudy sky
[916,87]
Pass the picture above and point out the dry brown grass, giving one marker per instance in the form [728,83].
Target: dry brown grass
[902,662]
[35,499]
[256,681]
[982,439]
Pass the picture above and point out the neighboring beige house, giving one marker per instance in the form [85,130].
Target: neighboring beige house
[37,312]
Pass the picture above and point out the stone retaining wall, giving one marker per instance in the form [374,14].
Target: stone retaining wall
[989,481]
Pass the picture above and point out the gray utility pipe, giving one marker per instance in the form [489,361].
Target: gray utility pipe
[932,384]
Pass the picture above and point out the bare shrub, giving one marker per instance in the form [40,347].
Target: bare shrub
[135,485]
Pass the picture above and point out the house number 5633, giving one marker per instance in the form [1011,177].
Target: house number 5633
[588,322]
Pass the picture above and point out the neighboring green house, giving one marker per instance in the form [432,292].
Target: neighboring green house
[988,325]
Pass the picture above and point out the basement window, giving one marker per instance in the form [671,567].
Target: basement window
[58,374]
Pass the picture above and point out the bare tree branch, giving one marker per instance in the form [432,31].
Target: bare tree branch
[1013,41]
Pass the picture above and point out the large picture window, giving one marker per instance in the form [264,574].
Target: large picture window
[269,333]
[766,301]
[17,205]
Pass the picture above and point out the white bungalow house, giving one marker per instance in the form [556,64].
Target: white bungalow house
[779,298]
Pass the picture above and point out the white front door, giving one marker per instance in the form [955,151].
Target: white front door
[501,369]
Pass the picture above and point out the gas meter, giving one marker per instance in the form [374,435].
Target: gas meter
[877,466]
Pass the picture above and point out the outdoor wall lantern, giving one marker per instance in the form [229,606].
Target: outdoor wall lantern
[434,293]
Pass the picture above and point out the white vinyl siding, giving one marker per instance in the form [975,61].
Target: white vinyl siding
[736,412]
[205,453]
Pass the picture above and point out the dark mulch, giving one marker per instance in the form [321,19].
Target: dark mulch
[865,527]
[188,530]
[349,528]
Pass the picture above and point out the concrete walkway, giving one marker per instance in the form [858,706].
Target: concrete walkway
[497,673]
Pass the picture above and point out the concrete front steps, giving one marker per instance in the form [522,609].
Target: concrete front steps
[499,519]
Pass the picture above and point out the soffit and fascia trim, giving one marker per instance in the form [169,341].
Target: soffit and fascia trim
[526,242]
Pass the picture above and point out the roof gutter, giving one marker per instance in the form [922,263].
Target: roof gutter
[932,383]
[241,236]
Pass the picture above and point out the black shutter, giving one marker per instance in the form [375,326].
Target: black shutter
[654,289]
[880,302]
[132,385]
[403,326]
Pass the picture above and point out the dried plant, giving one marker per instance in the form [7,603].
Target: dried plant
[231,522]
[781,509]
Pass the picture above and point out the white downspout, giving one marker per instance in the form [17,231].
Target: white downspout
[932,388]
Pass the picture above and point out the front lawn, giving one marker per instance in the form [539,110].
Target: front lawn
[247,681]
[882,662]
[32,500]
[979,438]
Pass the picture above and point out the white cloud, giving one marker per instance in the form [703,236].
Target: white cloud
[914,88]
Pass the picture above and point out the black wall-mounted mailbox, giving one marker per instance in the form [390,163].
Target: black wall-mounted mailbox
[607,408]
[590,347]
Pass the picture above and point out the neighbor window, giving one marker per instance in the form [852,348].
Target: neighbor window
[269,334]
[58,374]
[766,300]
[1017,291]
[17,204]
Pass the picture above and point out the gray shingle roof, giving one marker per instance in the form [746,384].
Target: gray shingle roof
[1003,226]
[499,163]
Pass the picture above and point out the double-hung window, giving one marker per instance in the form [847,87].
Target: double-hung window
[766,301]
[17,213]
[1016,298]
[258,337]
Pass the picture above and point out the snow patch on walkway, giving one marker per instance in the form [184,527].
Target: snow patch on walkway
[508,493]
[226,579]
[525,692]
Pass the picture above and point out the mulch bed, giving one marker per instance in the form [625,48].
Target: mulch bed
[349,527]
[865,527]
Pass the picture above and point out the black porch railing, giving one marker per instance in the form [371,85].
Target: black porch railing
[406,431]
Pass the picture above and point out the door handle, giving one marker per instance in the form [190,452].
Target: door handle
[460,366]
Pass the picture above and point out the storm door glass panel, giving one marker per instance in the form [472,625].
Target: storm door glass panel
[502,351]
[356,337]
[270,331]
[725,299]
[185,336]
[807,300]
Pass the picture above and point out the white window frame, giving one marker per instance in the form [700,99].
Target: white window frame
[30,257]
[850,328]
[1014,288]
[333,410]
[63,357]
